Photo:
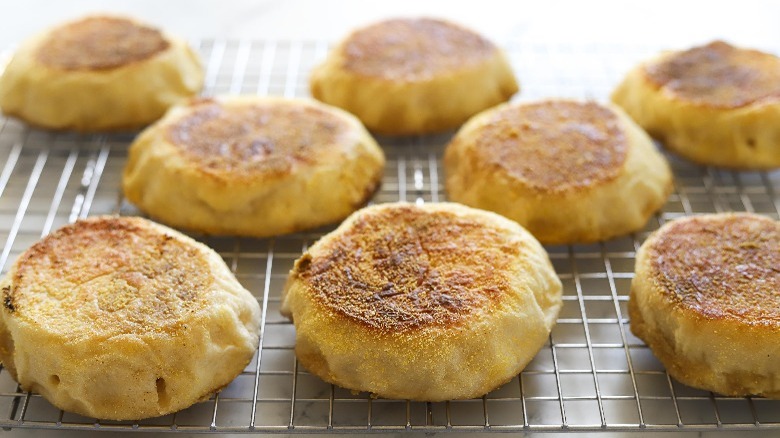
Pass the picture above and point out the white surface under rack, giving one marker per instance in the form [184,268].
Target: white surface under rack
[593,374]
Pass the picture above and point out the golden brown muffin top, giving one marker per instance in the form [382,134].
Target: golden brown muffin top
[413,49]
[718,75]
[405,267]
[721,266]
[259,138]
[100,43]
[554,146]
[106,276]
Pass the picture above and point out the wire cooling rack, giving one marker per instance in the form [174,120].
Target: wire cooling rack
[593,374]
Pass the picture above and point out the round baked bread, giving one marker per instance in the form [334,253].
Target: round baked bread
[706,300]
[430,302]
[98,73]
[413,76]
[120,318]
[568,171]
[253,166]
[715,104]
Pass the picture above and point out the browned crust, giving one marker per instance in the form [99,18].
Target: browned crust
[721,268]
[254,139]
[108,272]
[404,268]
[554,146]
[100,43]
[718,75]
[413,49]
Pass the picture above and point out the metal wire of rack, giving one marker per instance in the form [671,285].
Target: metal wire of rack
[592,374]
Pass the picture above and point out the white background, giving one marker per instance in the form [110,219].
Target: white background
[671,23]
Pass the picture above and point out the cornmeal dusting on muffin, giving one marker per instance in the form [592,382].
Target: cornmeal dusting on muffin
[413,49]
[109,275]
[100,43]
[728,271]
[555,146]
[719,75]
[409,269]
[259,138]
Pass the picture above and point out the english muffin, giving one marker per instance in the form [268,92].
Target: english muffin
[567,171]
[120,318]
[706,300]
[413,76]
[98,73]
[715,104]
[253,166]
[430,302]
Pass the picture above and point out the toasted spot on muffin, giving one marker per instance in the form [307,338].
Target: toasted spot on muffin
[100,43]
[257,138]
[403,269]
[555,146]
[718,75]
[726,270]
[109,274]
[413,49]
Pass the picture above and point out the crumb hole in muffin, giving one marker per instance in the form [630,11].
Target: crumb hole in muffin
[751,142]
[54,379]
[162,395]
[304,263]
